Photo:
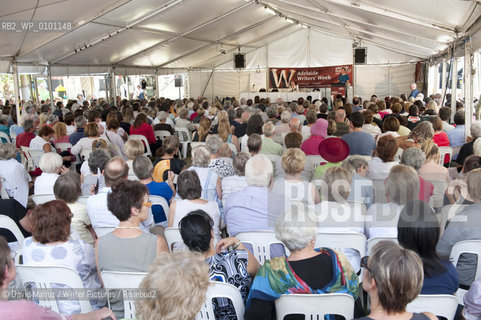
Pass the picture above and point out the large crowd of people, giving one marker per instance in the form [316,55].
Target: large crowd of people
[293,168]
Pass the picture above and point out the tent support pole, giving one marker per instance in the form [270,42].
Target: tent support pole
[454,80]
[16,89]
[468,87]
[37,97]
[113,87]
[50,88]
[29,78]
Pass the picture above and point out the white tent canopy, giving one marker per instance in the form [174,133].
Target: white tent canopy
[152,36]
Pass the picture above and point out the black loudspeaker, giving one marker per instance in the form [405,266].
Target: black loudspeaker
[143,84]
[240,61]
[360,56]
[178,82]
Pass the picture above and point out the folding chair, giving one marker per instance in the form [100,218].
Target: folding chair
[221,290]
[160,201]
[174,239]
[121,280]
[63,146]
[144,140]
[441,305]
[7,223]
[467,246]
[161,134]
[373,241]
[196,144]
[443,151]
[5,136]
[315,306]
[314,161]
[261,242]
[184,138]
[42,198]
[437,199]
[44,276]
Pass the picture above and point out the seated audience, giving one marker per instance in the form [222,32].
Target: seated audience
[311,118]
[224,131]
[318,133]
[383,159]
[51,166]
[333,150]
[236,182]
[28,134]
[180,280]
[112,135]
[393,278]
[133,149]
[24,309]
[168,161]
[342,125]
[42,141]
[440,137]
[94,180]
[143,169]
[67,188]
[183,122]
[162,125]
[457,191]
[472,305]
[4,119]
[468,148]
[210,181]
[254,208]
[16,179]
[115,171]
[80,123]
[360,143]
[307,269]
[431,170]
[60,135]
[254,144]
[401,187]
[390,126]
[254,125]
[282,126]
[415,158]
[420,137]
[269,146]
[465,226]
[457,136]
[237,267]
[222,166]
[369,126]
[445,115]
[50,246]
[361,186]
[85,144]
[128,248]
[291,185]
[202,131]
[141,127]
[190,191]
[418,230]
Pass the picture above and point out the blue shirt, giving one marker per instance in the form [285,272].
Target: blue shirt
[456,136]
[360,143]
[343,78]
[413,93]
[160,189]
[444,283]
[76,136]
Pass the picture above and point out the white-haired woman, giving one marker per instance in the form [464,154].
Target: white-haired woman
[361,186]
[51,166]
[209,179]
[15,176]
[307,269]
[221,165]
[236,182]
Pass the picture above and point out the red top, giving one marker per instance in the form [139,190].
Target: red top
[441,139]
[23,139]
[146,130]
[426,189]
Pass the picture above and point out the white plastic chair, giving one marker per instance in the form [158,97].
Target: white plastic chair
[121,280]
[132,177]
[5,136]
[32,156]
[196,144]
[101,231]
[233,148]
[261,242]
[161,134]
[158,200]
[221,290]
[42,198]
[3,191]
[467,246]
[437,199]
[373,241]
[340,241]
[315,306]
[85,154]
[379,191]
[314,161]
[184,138]
[443,151]
[448,212]
[7,223]
[173,238]
[83,199]
[44,276]
[63,146]
[441,305]
[144,140]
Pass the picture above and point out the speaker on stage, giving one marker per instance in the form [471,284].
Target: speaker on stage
[360,56]
[240,61]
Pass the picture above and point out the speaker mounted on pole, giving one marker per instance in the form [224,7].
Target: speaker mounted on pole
[240,60]
[360,55]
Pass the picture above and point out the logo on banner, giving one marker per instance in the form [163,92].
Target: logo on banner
[280,79]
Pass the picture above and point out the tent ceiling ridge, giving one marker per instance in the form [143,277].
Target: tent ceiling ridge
[183,34]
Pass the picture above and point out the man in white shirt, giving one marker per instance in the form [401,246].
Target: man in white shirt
[115,171]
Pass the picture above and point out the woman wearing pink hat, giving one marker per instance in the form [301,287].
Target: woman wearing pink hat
[318,134]
[334,151]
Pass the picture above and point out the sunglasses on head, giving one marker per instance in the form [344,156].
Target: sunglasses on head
[364,263]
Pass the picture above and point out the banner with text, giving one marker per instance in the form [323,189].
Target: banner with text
[309,77]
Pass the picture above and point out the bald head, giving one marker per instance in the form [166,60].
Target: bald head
[115,171]
[294,124]
[340,115]
[245,117]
